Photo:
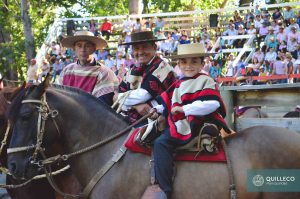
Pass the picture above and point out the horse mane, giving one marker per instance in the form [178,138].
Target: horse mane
[3,105]
[5,95]
[13,110]
[72,91]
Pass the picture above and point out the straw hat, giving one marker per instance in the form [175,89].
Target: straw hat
[84,36]
[249,66]
[293,27]
[142,37]
[240,78]
[289,56]
[191,50]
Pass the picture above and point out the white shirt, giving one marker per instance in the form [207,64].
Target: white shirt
[198,107]
[127,24]
[271,57]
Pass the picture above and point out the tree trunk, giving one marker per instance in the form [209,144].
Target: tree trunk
[5,51]
[224,3]
[135,6]
[29,39]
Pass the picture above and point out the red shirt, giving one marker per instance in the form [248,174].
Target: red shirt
[106,26]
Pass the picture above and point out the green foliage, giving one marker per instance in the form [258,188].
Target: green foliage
[42,13]
[179,5]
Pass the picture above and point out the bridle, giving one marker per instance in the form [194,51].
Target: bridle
[45,112]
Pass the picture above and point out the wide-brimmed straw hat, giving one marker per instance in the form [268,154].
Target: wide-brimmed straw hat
[191,50]
[250,66]
[84,36]
[142,37]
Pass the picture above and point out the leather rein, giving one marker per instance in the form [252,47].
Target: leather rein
[44,114]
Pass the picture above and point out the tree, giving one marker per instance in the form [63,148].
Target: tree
[29,39]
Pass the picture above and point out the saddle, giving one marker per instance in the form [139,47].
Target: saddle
[207,139]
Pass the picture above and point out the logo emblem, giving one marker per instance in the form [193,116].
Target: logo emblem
[258,180]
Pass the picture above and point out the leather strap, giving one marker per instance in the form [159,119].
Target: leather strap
[115,158]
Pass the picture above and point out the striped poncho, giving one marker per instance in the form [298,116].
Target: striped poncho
[185,91]
[97,80]
[155,78]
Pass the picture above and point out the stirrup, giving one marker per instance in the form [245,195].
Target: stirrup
[210,129]
[154,192]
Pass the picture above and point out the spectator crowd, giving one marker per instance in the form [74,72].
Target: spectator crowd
[276,43]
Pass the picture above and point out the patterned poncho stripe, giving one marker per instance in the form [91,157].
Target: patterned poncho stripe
[96,80]
[155,77]
[185,91]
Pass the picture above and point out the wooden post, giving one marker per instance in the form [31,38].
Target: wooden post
[228,98]
[135,7]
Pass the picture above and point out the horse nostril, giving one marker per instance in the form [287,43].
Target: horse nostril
[12,167]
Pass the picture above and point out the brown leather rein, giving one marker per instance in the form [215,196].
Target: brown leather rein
[44,113]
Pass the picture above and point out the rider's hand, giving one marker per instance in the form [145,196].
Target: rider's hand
[177,109]
[154,116]
[142,109]
[161,123]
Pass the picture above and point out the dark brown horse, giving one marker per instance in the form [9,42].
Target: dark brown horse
[83,121]
[37,189]
[295,113]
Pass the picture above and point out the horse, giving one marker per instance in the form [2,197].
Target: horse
[38,188]
[253,112]
[295,113]
[83,120]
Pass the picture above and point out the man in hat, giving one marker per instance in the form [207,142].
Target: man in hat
[32,72]
[193,106]
[281,36]
[262,73]
[263,31]
[147,79]
[270,35]
[86,74]
[106,28]
[231,31]
[293,41]
[288,14]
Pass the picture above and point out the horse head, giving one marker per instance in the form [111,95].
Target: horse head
[29,114]
[6,95]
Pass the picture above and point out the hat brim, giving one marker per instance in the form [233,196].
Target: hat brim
[192,55]
[142,41]
[240,78]
[70,41]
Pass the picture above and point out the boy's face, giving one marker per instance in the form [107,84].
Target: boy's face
[83,49]
[190,66]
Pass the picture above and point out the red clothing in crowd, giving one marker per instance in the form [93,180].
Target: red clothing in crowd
[106,26]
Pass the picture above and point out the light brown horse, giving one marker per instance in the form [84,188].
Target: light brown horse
[83,121]
[37,189]
[254,113]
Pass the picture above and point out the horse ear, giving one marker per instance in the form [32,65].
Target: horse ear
[10,93]
[17,90]
[42,87]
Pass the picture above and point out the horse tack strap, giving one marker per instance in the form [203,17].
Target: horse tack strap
[19,149]
[115,158]
[3,143]
[232,187]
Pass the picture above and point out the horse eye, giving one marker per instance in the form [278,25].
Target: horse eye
[26,115]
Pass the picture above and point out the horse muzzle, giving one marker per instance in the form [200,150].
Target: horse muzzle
[23,169]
